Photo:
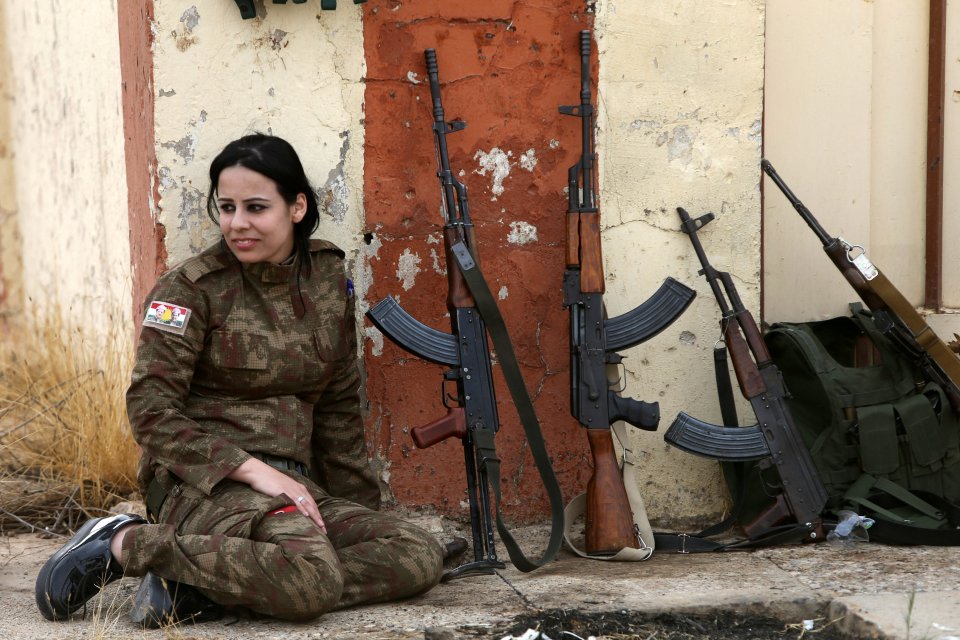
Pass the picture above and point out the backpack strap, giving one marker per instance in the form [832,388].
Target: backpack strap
[905,517]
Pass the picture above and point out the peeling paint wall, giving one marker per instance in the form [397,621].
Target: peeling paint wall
[504,66]
[136,65]
[680,109]
[294,71]
[63,95]
[680,96]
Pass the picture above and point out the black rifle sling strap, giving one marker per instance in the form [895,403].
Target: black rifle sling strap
[728,410]
[728,407]
[511,372]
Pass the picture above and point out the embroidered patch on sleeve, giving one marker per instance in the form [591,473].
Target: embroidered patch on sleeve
[167,317]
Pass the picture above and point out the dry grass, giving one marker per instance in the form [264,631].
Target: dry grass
[66,452]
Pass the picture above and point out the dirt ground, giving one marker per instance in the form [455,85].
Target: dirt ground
[623,625]
[785,592]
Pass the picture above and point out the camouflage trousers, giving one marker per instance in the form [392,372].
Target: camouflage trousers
[232,549]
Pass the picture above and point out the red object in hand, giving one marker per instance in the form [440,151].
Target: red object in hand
[287,509]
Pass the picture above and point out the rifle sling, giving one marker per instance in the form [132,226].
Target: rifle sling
[728,410]
[511,372]
[721,371]
[945,359]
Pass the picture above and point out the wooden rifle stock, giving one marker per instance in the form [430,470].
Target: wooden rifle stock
[606,530]
[454,424]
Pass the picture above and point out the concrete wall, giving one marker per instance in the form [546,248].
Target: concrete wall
[679,89]
[681,97]
[10,262]
[64,145]
[951,177]
[293,71]
[845,123]
[135,36]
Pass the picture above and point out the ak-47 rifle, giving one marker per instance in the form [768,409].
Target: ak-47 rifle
[802,497]
[595,339]
[892,312]
[473,419]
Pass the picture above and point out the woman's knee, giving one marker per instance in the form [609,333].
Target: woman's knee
[307,591]
[423,551]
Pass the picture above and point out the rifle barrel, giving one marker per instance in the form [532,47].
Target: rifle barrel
[690,226]
[587,160]
[825,237]
[452,192]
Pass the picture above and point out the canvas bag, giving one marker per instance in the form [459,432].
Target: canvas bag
[885,441]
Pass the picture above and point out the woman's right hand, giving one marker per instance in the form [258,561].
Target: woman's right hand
[273,482]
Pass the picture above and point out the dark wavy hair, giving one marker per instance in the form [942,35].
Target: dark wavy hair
[276,159]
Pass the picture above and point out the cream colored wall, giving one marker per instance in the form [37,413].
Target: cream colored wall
[845,126]
[294,71]
[817,136]
[10,265]
[951,178]
[65,148]
[680,108]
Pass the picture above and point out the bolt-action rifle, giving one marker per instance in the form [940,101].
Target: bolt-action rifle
[893,313]
[802,496]
[595,339]
[473,418]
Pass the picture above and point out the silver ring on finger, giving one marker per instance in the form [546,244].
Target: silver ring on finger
[301,499]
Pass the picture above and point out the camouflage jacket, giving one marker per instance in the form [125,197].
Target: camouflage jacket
[237,358]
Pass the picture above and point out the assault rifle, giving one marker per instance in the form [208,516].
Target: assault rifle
[893,313]
[473,419]
[595,339]
[775,437]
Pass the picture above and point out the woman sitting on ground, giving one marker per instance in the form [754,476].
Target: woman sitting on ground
[245,400]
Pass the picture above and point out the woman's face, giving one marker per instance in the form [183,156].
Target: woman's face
[255,220]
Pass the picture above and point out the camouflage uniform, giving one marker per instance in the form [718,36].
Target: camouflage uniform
[256,360]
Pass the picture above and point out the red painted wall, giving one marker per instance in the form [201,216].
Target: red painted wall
[505,67]
[136,69]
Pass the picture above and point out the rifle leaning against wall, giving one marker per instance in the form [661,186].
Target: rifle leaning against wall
[892,312]
[802,496]
[595,340]
[473,419]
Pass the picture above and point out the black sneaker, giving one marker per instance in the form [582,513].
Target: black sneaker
[78,571]
[160,602]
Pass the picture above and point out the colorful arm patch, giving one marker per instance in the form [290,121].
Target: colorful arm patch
[167,317]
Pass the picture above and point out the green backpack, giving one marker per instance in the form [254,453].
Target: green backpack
[885,441]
